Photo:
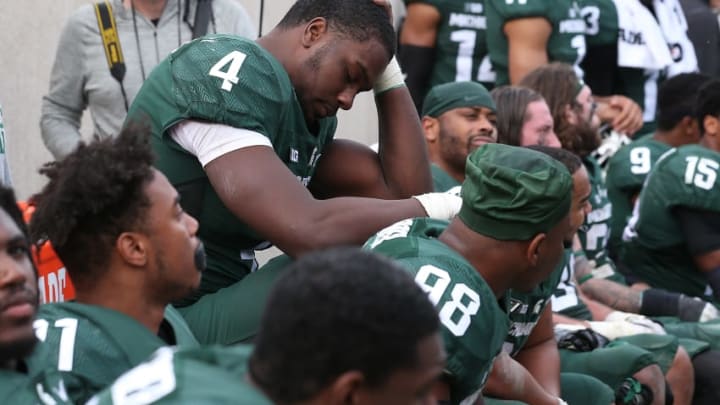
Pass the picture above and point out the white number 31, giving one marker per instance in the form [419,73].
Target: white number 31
[230,76]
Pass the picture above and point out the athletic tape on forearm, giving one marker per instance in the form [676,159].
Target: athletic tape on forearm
[391,78]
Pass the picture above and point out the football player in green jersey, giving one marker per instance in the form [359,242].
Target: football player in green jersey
[572,106]
[117,225]
[672,235]
[18,307]
[628,168]
[245,131]
[443,41]
[366,334]
[525,118]
[457,118]
[526,34]
[510,209]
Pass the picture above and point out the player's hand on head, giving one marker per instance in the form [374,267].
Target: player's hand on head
[622,113]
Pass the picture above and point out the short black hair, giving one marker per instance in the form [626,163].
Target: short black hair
[335,311]
[359,20]
[8,203]
[707,102]
[570,160]
[93,195]
[676,99]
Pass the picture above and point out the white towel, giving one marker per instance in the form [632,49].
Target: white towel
[674,27]
[641,43]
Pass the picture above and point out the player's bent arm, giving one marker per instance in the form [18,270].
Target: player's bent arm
[403,155]
[540,355]
[351,169]
[527,45]
[417,47]
[259,189]
[510,380]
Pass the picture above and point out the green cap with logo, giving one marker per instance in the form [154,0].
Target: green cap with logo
[514,193]
[448,96]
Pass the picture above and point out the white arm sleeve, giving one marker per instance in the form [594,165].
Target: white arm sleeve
[208,141]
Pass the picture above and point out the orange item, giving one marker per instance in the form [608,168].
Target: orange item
[54,283]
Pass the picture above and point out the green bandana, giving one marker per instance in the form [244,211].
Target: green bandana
[513,193]
[448,96]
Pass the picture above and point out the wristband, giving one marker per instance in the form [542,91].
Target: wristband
[584,278]
[391,78]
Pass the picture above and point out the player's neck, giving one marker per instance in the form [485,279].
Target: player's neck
[482,253]
[151,9]
[672,137]
[124,294]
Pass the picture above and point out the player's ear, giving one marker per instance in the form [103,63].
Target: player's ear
[534,249]
[314,31]
[431,128]
[711,125]
[132,248]
[346,389]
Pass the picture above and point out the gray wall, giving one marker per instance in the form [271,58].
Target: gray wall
[29,31]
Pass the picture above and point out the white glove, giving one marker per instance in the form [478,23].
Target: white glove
[440,205]
[709,313]
[619,324]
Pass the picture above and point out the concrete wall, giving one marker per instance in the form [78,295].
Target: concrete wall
[29,31]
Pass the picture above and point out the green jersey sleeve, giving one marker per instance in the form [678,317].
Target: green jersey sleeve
[208,375]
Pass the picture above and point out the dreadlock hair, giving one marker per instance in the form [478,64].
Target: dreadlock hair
[559,85]
[676,99]
[513,102]
[707,103]
[358,20]
[93,195]
[570,160]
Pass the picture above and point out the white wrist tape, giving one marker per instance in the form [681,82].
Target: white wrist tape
[440,205]
[391,78]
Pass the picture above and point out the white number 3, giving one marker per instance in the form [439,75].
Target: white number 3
[230,76]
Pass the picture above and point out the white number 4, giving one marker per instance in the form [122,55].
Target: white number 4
[230,76]
[464,300]
[701,172]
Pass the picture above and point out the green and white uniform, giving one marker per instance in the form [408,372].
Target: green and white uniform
[91,346]
[460,45]
[595,232]
[441,180]
[626,173]
[566,42]
[47,388]
[474,324]
[656,249]
[207,375]
[232,81]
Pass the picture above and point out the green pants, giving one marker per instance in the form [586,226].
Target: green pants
[576,389]
[232,314]
[621,358]
[697,336]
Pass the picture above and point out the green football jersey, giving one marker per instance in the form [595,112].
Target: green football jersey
[565,299]
[566,43]
[474,323]
[460,44]
[526,308]
[91,346]
[204,375]
[441,180]
[595,231]
[656,249]
[232,81]
[46,388]
[626,173]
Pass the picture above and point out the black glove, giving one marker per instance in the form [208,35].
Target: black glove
[583,340]
[631,392]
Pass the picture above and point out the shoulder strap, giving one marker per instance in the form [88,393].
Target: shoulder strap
[203,13]
[111,43]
